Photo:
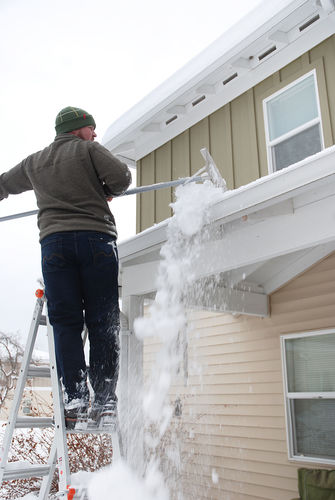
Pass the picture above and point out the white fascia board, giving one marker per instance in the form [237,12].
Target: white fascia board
[315,172]
[229,45]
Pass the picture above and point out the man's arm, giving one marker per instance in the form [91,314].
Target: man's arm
[14,181]
[114,175]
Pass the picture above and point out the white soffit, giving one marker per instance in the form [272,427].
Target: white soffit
[270,37]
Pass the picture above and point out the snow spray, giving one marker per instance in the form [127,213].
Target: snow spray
[167,320]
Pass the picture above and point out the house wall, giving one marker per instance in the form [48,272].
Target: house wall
[38,391]
[233,417]
[234,135]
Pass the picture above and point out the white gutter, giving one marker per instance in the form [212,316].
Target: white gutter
[311,173]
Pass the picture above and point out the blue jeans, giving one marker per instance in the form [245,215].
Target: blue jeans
[80,271]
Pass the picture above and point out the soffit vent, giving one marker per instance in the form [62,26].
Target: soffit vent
[267,53]
[170,120]
[199,100]
[230,78]
[308,23]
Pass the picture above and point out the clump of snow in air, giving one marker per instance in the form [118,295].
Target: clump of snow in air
[167,319]
[190,207]
[215,476]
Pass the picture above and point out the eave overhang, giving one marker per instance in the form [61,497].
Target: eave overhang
[271,230]
[272,36]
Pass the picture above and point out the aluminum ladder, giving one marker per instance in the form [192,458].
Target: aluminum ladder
[58,457]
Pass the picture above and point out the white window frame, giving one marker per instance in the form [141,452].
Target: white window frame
[297,130]
[289,396]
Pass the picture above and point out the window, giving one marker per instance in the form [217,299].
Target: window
[293,123]
[309,385]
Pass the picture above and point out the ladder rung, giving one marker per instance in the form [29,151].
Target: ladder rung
[43,320]
[39,371]
[33,422]
[14,471]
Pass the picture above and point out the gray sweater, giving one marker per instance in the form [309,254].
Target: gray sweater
[71,179]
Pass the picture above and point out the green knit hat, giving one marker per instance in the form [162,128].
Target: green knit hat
[71,118]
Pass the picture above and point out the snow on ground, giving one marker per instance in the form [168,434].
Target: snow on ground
[30,496]
[119,481]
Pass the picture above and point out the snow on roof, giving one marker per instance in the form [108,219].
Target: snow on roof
[267,39]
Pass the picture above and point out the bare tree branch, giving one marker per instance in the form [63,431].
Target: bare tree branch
[11,353]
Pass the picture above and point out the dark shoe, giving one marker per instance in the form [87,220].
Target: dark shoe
[103,415]
[75,413]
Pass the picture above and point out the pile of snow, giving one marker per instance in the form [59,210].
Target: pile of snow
[122,483]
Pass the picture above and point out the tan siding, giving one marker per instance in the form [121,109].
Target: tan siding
[244,139]
[163,173]
[294,67]
[148,199]
[326,53]
[138,196]
[181,166]
[233,412]
[221,143]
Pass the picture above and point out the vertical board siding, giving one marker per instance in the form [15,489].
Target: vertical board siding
[233,420]
[235,135]
[138,197]
[181,165]
[244,139]
[221,143]
[199,138]
[163,173]
[326,53]
[148,199]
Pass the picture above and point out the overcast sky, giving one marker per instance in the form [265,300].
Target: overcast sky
[103,56]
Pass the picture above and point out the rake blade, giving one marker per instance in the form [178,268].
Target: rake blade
[213,170]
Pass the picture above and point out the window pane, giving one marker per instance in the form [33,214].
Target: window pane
[292,108]
[315,429]
[297,148]
[310,364]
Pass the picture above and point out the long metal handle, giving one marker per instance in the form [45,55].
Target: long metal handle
[161,185]
[137,190]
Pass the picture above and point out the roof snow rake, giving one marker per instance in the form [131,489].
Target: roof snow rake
[208,172]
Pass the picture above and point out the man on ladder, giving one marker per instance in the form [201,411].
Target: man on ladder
[73,180]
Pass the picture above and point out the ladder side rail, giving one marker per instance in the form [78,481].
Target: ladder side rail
[46,481]
[8,435]
[60,429]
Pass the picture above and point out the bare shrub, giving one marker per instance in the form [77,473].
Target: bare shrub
[11,353]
